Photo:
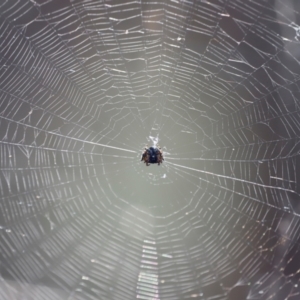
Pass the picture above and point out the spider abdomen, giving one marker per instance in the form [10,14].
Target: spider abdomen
[152,156]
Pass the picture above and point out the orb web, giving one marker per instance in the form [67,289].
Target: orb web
[85,85]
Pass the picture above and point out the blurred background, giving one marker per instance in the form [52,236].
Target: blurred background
[85,85]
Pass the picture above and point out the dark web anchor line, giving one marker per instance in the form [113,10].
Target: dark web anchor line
[233,178]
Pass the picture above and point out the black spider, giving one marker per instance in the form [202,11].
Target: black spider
[152,155]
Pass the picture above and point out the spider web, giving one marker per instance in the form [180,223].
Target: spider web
[85,85]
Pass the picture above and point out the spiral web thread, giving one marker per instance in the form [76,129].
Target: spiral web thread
[85,85]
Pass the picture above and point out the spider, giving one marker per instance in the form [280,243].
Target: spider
[152,155]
